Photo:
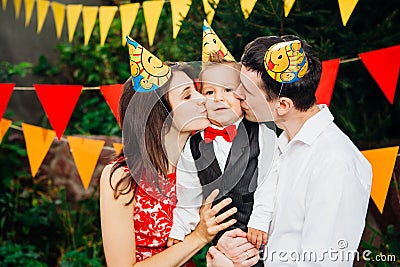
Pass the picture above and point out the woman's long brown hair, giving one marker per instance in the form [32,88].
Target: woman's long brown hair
[155,126]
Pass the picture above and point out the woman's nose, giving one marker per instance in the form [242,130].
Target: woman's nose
[200,99]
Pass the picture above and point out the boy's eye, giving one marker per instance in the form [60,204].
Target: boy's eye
[209,92]
[228,89]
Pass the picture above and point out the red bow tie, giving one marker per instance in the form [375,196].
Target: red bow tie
[228,133]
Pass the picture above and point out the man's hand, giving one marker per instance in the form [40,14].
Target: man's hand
[257,237]
[234,245]
[172,241]
[215,258]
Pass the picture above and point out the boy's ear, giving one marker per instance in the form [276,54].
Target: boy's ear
[283,105]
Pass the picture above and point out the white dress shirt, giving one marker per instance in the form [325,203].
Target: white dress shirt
[322,197]
[189,191]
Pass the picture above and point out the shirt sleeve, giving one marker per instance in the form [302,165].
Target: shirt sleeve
[264,196]
[189,196]
[335,210]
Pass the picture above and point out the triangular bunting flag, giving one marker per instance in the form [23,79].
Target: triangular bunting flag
[247,6]
[4,125]
[152,11]
[29,4]
[327,81]
[346,7]
[210,9]
[42,8]
[287,6]
[106,16]
[212,43]
[6,90]
[112,94]
[59,15]
[85,152]
[382,161]
[73,14]
[38,141]
[128,14]
[58,109]
[89,15]
[384,64]
[4,4]
[17,6]
[179,10]
[117,148]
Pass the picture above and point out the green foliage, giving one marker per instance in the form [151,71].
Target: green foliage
[15,255]
[8,70]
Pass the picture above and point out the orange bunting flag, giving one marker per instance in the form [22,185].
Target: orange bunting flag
[382,161]
[6,90]
[247,6]
[58,102]
[287,6]
[112,94]
[327,82]
[179,10]
[89,15]
[59,15]
[152,11]
[17,6]
[384,65]
[210,9]
[4,125]
[128,14]
[106,16]
[85,152]
[42,7]
[117,148]
[346,8]
[73,14]
[38,141]
[28,11]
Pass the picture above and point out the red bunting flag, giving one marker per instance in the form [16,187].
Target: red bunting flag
[327,82]
[58,102]
[112,93]
[6,90]
[384,64]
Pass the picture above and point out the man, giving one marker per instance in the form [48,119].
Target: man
[324,181]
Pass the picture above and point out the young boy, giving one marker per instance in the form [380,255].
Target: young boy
[227,155]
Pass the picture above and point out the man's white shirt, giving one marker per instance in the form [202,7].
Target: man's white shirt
[322,197]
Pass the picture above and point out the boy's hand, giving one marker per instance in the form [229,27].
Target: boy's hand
[257,237]
[172,241]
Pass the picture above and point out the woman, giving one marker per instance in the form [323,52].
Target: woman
[136,203]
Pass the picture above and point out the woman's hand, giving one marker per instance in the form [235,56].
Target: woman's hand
[210,224]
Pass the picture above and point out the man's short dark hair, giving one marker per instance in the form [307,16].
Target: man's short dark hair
[301,92]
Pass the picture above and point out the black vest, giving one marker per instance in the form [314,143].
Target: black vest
[239,180]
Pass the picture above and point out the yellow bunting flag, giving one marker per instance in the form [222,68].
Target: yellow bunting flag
[85,152]
[152,11]
[42,8]
[382,161]
[89,15]
[210,9]
[346,8]
[73,14]
[287,6]
[38,141]
[247,7]
[5,124]
[59,15]
[17,6]
[128,14]
[4,4]
[29,4]
[106,16]
[117,148]
[179,10]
